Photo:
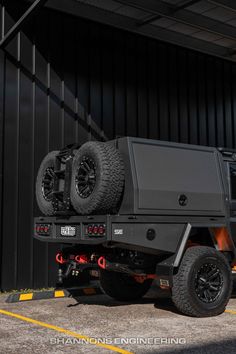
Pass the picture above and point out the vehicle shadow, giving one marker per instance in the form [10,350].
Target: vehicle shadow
[161,299]
[105,300]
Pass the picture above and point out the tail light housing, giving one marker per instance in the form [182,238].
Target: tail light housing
[43,229]
[95,230]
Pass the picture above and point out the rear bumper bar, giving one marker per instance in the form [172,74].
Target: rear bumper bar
[79,225]
[150,234]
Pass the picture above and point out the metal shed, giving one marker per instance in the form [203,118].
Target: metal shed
[73,70]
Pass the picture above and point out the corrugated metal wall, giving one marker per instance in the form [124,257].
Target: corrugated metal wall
[65,80]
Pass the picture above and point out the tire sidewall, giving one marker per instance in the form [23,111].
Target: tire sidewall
[45,206]
[93,198]
[220,302]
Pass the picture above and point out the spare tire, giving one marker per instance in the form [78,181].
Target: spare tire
[44,184]
[97,179]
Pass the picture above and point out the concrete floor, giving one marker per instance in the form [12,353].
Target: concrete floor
[101,317]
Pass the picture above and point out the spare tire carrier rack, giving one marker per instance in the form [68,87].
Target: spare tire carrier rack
[61,198]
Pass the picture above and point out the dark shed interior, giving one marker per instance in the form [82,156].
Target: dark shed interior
[66,79]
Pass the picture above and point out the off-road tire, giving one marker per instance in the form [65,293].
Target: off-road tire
[122,287]
[44,205]
[107,171]
[185,294]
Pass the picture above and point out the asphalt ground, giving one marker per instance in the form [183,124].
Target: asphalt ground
[98,324]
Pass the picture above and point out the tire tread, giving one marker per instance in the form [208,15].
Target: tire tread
[180,292]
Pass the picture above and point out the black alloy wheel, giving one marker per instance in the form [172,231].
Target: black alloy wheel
[86,177]
[208,282]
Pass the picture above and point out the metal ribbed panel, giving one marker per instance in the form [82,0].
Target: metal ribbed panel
[66,80]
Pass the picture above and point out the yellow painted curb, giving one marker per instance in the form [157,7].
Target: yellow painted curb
[24,297]
[59,293]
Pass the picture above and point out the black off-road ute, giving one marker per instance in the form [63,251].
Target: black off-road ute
[132,210]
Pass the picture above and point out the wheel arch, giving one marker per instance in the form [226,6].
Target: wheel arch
[217,237]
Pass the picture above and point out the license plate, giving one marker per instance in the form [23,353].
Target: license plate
[68,231]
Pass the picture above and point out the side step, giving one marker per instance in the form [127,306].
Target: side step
[55,294]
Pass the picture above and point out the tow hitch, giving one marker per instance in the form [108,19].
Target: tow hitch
[74,265]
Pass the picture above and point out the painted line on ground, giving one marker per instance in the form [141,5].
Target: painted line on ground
[231,311]
[65,331]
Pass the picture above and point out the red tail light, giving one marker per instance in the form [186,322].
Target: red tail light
[42,229]
[90,229]
[101,230]
[95,230]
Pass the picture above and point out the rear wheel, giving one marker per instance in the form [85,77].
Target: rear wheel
[122,287]
[203,285]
